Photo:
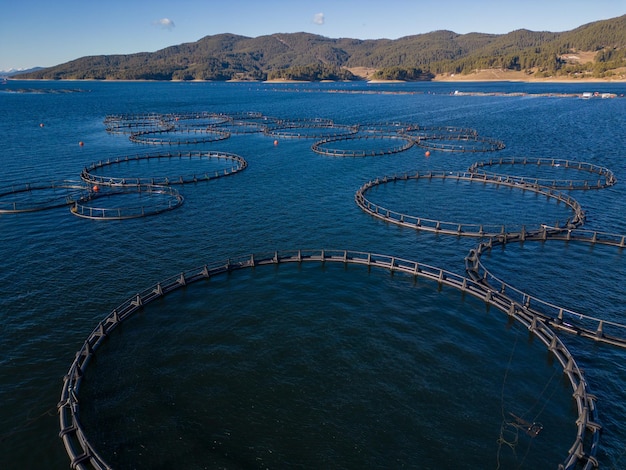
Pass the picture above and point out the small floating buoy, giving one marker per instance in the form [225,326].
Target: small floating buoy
[81,143]
[41,125]
[96,188]
[427,154]
[275,142]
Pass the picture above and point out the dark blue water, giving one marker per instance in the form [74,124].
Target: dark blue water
[315,366]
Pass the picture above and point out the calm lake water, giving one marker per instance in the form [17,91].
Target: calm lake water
[305,366]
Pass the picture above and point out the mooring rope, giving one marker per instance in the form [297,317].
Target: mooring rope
[501,440]
[28,423]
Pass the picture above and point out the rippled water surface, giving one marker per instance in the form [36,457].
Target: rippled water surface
[311,366]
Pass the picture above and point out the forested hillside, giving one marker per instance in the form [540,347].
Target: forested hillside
[594,50]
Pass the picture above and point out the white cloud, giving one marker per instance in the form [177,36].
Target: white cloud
[165,23]
[318,18]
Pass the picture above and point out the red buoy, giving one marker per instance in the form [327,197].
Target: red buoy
[427,154]
[275,142]
[81,143]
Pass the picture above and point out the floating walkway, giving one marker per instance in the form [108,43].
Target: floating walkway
[84,455]
[457,228]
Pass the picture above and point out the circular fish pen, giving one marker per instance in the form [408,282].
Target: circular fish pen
[248,115]
[604,330]
[309,129]
[33,197]
[242,126]
[256,118]
[438,132]
[135,127]
[459,228]
[195,120]
[380,144]
[558,167]
[179,136]
[132,123]
[459,143]
[145,200]
[85,453]
[231,164]
[392,127]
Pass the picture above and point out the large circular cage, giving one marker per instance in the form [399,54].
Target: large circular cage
[33,197]
[460,228]
[232,164]
[379,144]
[604,176]
[83,454]
[150,200]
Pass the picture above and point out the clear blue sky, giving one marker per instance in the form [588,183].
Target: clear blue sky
[50,32]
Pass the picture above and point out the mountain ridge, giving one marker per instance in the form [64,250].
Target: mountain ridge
[307,56]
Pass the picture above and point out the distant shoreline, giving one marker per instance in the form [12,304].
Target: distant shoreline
[497,75]
[445,78]
[513,76]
